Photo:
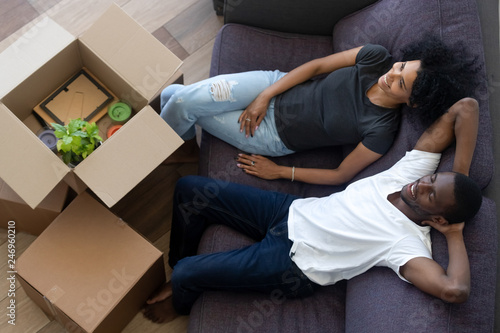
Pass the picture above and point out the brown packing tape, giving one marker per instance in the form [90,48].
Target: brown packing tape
[121,223]
[52,309]
[51,297]
[36,297]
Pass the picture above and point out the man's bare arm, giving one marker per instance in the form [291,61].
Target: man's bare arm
[451,285]
[460,123]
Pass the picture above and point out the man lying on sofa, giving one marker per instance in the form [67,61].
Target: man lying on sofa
[383,220]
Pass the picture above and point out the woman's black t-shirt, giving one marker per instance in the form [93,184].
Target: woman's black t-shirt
[336,111]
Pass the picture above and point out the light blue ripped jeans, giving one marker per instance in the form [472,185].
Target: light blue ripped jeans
[216,103]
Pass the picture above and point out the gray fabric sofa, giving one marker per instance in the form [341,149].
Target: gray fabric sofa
[255,37]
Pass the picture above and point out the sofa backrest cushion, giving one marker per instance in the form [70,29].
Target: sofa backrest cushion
[297,16]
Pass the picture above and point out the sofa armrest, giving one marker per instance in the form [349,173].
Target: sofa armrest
[314,17]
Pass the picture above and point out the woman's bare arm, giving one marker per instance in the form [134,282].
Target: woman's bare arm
[264,168]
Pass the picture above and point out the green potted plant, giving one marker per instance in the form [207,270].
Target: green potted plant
[77,140]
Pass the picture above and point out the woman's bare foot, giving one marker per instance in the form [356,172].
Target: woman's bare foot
[159,308]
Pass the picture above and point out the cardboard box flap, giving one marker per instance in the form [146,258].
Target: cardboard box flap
[28,53]
[27,165]
[131,51]
[53,202]
[87,258]
[127,157]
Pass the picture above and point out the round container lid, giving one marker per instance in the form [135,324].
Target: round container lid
[113,129]
[120,111]
[48,138]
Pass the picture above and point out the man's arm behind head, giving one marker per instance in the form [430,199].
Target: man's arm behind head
[459,123]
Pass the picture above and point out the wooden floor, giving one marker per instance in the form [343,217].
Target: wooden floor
[186,27]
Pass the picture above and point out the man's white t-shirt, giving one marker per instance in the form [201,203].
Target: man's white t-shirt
[345,234]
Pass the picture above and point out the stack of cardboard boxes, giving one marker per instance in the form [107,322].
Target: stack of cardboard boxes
[87,268]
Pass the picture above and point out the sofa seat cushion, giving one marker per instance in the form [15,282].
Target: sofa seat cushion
[217,161]
[254,312]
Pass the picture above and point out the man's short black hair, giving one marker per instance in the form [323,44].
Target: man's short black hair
[468,199]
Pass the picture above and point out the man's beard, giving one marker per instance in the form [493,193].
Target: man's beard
[413,205]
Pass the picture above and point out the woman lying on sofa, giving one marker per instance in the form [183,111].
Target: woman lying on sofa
[274,113]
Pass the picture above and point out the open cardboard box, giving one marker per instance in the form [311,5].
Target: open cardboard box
[89,270]
[127,60]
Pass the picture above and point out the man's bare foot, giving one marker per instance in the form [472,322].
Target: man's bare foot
[164,292]
[159,308]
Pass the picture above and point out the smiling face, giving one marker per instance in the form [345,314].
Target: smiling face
[430,195]
[398,82]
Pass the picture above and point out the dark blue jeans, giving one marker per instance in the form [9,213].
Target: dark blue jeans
[264,266]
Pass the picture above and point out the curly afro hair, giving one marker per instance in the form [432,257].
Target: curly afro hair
[446,75]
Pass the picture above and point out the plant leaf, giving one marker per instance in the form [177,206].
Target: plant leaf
[67,157]
[79,133]
[58,127]
[59,130]
[67,139]
[75,125]
[59,134]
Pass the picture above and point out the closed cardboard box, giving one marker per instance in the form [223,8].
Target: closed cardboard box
[89,270]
